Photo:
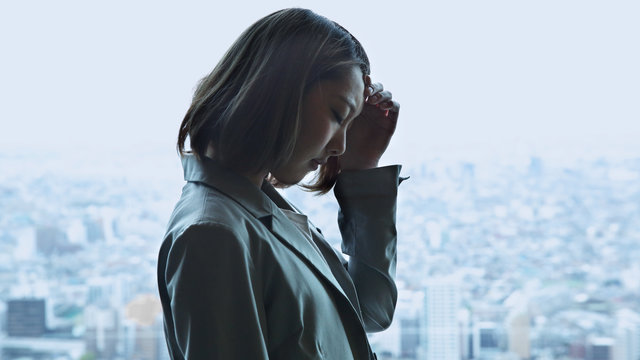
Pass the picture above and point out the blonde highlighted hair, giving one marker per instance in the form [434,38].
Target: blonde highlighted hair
[248,108]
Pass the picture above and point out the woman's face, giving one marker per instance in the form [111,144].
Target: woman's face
[327,111]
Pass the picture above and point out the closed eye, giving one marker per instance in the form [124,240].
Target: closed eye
[337,116]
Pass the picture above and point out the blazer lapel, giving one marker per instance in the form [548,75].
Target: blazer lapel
[260,205]
[285,231]
[330,258]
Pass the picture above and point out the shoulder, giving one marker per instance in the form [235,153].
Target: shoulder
[204,212]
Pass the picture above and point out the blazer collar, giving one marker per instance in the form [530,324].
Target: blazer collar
[234,185]
[259,203]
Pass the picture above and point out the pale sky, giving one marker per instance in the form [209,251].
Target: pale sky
[475,76]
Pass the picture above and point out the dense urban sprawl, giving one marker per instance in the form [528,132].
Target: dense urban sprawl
[520,260]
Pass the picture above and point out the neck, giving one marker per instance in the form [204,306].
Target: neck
[257,178]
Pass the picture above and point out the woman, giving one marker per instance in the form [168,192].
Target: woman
[242,273]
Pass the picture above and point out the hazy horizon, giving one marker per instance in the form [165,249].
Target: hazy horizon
[495,77]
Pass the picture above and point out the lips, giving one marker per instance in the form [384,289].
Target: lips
[315,163]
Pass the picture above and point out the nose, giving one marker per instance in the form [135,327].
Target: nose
[338,143]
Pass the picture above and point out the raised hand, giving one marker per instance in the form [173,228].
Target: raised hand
[370,132]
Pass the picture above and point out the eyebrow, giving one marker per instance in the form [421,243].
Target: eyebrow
[352,107]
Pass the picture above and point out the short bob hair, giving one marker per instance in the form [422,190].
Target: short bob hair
[249,107]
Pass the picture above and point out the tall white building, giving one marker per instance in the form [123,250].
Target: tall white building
[518,328]
[441,335]
[627,343]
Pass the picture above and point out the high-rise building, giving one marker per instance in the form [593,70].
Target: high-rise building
[599,348]
[518,333]
[409,337]
[466,334]
[409,310]
[441,336]
[26,317]
[101,333]
[488,340]
[627,343]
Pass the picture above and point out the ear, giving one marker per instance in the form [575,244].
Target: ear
[367,80]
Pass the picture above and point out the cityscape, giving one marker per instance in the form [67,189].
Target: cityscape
[515,260]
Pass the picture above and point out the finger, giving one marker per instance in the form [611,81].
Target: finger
[367,80]
[374,88]
[390,105]
[392,113]
[395,108]
[386,105]
[368,89]
[380,97]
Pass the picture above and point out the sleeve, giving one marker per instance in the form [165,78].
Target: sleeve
[215,297]
[367,221]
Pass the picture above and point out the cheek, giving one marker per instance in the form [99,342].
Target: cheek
[316,134]
[325,133]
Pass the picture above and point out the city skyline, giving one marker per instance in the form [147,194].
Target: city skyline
[541,257]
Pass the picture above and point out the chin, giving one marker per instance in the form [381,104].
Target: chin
[285,180]
[291,175]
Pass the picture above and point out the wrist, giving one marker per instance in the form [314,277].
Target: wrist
[360,165]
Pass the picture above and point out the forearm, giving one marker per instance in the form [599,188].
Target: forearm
[367,222]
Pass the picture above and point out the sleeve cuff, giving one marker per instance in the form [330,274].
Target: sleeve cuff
[377,181]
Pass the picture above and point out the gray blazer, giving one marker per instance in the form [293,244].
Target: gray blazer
[238,280]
